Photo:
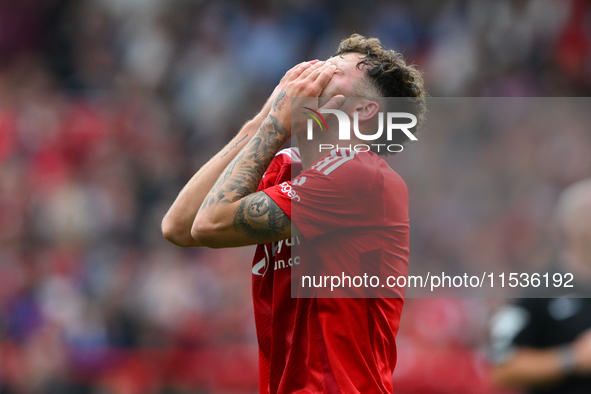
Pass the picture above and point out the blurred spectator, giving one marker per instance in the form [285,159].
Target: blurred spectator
[544,344]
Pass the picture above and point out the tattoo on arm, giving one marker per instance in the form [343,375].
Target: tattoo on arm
[243,174]
[278,101]
[259,216]
[234,146]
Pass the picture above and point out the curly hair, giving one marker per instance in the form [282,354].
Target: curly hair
[388,75]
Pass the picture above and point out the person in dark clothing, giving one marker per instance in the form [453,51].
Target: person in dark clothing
[543,345]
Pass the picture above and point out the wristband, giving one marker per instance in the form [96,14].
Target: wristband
[567,359]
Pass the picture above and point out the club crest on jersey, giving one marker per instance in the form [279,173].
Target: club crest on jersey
[263,265]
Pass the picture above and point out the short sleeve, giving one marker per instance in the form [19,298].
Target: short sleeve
[340,197]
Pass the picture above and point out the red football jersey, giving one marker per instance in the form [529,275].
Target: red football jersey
[348,206]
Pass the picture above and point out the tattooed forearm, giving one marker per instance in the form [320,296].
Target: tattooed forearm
[234,146]
[211,197]
[279,101]
[243,174]
[259,216]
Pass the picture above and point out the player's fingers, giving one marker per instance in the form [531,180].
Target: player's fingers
[311,69]
[295,71]
[324,75]
[314,74]
[334,102]
[300,68]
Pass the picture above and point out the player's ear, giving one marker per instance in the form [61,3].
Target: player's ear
[366,109]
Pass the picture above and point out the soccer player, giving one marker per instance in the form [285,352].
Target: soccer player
[544,344]
[337,206]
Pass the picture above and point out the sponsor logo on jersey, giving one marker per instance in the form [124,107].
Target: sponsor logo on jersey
[287,259]
[287,189]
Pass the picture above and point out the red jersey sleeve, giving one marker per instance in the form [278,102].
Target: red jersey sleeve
[340,191]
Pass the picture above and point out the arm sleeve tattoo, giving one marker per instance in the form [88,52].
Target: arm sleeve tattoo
[257,215]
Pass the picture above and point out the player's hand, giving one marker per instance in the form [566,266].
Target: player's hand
[297,70]
[306,82]
[582,348]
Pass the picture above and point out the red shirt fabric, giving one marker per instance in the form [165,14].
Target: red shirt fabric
[349,206]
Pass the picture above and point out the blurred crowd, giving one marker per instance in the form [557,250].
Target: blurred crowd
[108,106]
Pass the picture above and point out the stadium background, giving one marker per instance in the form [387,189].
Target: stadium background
[108,106]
